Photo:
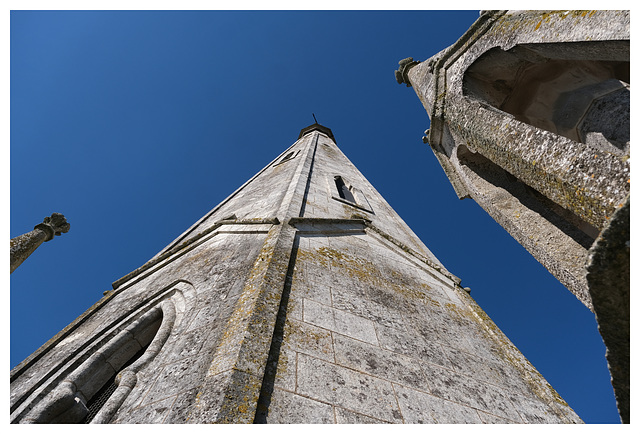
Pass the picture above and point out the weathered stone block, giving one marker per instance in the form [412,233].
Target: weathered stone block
[347,388]
[291,408]
[339,321]
[413,404]
[373,360]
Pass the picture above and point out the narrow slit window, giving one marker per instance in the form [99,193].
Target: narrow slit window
[343,190]
[287,157]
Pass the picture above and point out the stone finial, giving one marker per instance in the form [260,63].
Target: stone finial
[24,245]
[54,225]
[404,66]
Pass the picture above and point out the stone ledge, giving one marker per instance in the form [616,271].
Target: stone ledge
[173,250]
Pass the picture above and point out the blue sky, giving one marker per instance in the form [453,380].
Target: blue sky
[135,124]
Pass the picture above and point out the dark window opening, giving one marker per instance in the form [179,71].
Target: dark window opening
[145,329]
[98,400]
[287,157]
[343,190]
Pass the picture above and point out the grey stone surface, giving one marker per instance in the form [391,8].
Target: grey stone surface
[414,403]
[409,343]
[306,338]
[530,117]
[179,412]
[608,121]
[22,246]
[351,417]
[491,419]
[339,321]
[370,359]
[362,393]
[609,272]
[291,408]
[152,413]
[285,305]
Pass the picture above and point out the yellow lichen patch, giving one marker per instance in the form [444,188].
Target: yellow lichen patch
[426,286]
[277,169]
[507,24]
[304,336]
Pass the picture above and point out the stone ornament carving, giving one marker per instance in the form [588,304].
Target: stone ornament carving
[56,224]
[24,245]
[404,66]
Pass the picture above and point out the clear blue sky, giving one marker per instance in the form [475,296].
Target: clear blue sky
[135,124]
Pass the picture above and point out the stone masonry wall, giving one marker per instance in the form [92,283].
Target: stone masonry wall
[374,336]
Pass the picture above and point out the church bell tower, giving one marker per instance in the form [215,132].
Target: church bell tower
[301,298]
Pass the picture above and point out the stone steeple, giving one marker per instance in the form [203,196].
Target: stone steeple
[302,297]
[530,117]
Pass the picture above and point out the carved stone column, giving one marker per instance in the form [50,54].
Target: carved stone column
[24,245]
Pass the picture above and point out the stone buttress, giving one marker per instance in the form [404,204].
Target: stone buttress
[301,298]
[530,117]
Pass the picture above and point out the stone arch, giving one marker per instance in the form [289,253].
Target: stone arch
[115,359]
[579,90]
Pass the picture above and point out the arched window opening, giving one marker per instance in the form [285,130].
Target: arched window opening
[81,396]
[138,338]
[579,90]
